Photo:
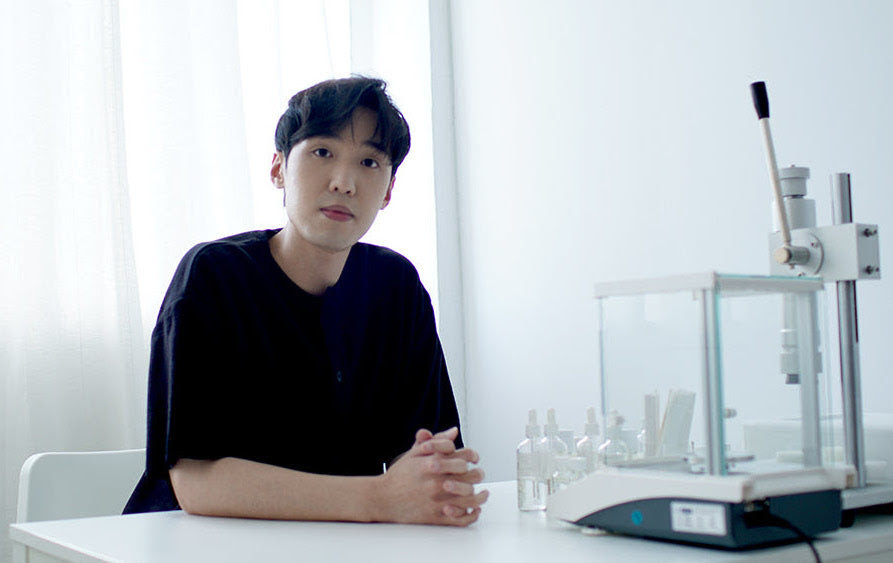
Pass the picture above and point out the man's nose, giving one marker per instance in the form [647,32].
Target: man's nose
[342,180]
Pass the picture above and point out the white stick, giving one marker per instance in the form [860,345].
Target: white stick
[776,183]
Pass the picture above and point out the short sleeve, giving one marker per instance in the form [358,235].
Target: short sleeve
[187,412]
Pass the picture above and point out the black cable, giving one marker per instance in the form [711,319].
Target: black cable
[764,518]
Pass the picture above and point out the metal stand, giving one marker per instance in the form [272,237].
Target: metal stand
[863,494]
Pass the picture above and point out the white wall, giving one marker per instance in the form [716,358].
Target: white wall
[603,140]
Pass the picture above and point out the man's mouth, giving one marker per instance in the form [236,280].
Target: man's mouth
[337,213]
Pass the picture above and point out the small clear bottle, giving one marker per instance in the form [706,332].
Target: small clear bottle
[531,485]
[613,450]
[552,450]
[587,446]
[642,440]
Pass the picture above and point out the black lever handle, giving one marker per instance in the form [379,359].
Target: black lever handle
[760,99]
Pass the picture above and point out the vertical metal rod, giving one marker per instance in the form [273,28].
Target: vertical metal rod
[850,377]
[715,458]
[807,308]
[603,386]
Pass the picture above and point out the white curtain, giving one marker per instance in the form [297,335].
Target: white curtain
[72,350]
[131,132]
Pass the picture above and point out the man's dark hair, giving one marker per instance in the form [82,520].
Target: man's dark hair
[325,108]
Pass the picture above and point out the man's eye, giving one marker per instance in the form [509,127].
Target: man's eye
[325,153]
[370,163]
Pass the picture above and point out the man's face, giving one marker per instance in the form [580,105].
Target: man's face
[335,186]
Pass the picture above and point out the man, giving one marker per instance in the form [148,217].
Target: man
[289,366]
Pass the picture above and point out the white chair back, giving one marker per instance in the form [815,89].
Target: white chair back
[61,485]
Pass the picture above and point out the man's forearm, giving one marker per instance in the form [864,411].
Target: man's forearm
[242,488]
[430,484]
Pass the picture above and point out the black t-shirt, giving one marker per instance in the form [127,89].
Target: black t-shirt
[246,364]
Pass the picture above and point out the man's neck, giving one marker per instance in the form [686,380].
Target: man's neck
[311,268]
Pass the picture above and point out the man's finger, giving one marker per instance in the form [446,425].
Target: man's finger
[473,476]
[470,502]
[450,465]
[423,435]
[438,446]
[459,488]
[457,517]
[468,455]
[449,433]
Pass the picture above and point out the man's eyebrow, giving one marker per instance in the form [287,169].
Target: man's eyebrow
[377,145]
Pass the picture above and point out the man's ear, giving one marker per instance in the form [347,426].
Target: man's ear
[387,196]
[277,170]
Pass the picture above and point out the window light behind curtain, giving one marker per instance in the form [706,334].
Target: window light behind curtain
[132,131]
[71,343]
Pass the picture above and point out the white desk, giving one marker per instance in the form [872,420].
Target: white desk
[502,534]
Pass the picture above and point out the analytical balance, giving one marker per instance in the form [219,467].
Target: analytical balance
[688,355]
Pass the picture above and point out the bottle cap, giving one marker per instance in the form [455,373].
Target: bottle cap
[551,426]
[590,427]
[533,429]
